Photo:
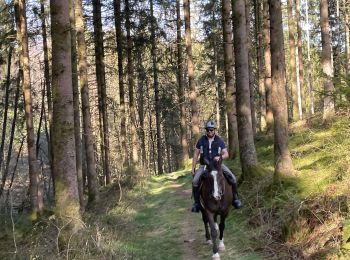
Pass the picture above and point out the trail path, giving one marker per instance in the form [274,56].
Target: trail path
[188,228]
[195,246]
[194,243]
[164,227]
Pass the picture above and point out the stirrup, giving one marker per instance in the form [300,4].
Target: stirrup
[237,204]
[195,208]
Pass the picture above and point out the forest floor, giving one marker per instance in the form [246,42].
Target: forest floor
[153,221]
[159,225]
[303,217]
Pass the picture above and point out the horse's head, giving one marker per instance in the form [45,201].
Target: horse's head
[216,177]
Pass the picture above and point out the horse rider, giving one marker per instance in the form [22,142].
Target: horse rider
[209,147]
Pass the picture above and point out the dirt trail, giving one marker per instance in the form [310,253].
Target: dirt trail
[189,229]
[193,240]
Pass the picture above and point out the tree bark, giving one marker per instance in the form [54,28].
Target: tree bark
[250,66]
[84,88]
[64,161]
[283,161]
[347,36]
[181,94]
[12,135]
[300,59]
[190,71]
[76,104]
[309,64]
[6,104]
[101,82]
[292,62]
[267,59]
[21,22]
[15,168]
[47,79]
[328,101]
[244,120]
[141,108]
[229,79]
[156,90]
[260,61]
[130,70]
[118,34]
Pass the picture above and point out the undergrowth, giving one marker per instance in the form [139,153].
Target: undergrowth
[303,217]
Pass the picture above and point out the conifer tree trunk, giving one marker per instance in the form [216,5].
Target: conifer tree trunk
[21,22]
[300,58]
[156,90]
[292,62]
[346,9]
[283,161]
[76,103]
[221,95]
[244,120]
[267,68]
[190,71]
[101,82]
[181,94]
[328,101]
[84,88]
[6,104]
[141,110]
[229,79]
[47,79]
[260,61]
[118,35]
[250,66]
[64,161]
[12,135]
[130,70]
[309,64]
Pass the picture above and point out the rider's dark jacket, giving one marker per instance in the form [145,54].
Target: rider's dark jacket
[208,151]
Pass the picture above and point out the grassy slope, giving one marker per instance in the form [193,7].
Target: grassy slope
[306,216]
[302,217]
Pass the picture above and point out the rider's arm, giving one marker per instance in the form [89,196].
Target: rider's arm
[194,161]
[224,153]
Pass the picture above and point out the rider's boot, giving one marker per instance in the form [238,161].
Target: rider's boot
[236,202]
[196,204]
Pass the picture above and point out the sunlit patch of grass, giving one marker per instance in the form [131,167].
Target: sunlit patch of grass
[301,215]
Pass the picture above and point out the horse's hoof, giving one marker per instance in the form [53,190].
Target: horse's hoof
[209,242]
[221,245]
[215,256]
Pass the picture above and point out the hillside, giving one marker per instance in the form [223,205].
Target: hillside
[305,217]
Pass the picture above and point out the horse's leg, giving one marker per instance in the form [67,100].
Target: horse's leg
[214,234]
[216,222]
[221,236]
[206,226]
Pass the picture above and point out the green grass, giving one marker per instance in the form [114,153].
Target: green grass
[301,217]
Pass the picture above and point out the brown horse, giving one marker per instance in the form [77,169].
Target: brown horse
[216,198]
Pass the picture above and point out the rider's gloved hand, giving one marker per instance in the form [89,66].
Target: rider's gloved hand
[217,158]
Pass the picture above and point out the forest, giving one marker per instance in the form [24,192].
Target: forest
[102,104]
